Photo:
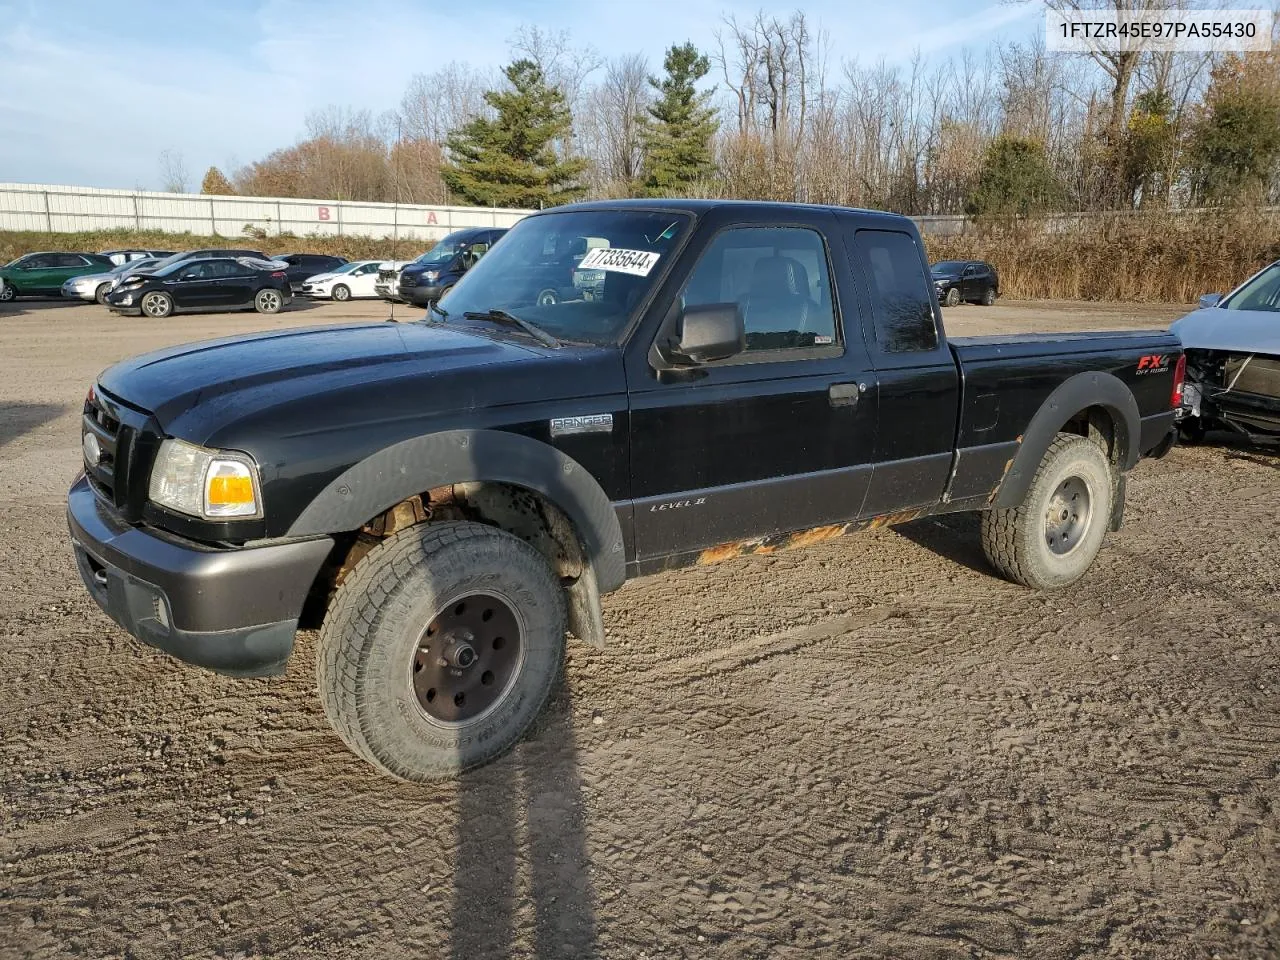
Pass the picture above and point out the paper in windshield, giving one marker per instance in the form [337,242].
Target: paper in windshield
[636,262]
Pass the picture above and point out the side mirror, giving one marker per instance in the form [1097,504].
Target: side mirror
[710,332]
[1210,300]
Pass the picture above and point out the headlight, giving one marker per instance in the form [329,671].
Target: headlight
[432,275]
[204,483]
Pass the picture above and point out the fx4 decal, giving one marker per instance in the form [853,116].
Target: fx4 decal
[1154,363]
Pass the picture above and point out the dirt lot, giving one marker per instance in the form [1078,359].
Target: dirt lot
[872,748]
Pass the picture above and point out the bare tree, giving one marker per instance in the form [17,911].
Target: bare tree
[610,122]
[174,177]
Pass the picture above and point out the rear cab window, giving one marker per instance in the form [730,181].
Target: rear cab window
[899,289]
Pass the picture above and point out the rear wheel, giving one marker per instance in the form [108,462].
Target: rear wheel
[268,300]
[988,296]
[157,305]
[1053,537]
[341,292]
[7,292]
[101,293]
[441,648]
[952,298]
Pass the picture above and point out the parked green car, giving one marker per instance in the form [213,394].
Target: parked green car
[43,274]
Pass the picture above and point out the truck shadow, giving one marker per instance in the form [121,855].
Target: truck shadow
[525,811]
[19,417]
[955,536]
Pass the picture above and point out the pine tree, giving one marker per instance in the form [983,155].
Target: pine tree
[510,160]
[215,183]
[677,134]
[1015,178]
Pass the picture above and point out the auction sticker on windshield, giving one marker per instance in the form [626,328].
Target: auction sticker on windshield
[637,262]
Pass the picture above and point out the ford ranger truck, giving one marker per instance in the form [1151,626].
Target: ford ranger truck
[446,499]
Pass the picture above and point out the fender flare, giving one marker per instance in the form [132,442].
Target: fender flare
[1077,393]
[412,466]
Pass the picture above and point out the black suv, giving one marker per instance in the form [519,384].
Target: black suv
[429,278]
[303,266]
[970,281]
[208,283]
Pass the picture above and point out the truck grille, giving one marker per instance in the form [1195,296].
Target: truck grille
[408,281]
[124,449]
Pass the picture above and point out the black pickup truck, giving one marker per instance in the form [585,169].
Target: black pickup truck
[445,498]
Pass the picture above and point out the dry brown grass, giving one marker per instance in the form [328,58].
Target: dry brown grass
[1139,258]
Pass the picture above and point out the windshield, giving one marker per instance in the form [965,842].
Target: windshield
[347,267]
[139,264]
[949,266]
[578,274]
[1260,293]
[442,252]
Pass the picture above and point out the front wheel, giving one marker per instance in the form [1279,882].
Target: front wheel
[268,300]
[952,297]
[7,292]
[547,297]
[157,305]
[1053,537]
[441,648]
[341,292]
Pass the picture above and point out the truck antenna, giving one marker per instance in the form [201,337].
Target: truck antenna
[395,216]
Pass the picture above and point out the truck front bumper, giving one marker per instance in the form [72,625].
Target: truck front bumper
[231,610]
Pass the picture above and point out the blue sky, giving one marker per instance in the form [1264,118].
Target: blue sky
[92,92]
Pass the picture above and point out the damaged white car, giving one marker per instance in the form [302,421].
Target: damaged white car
[1233,360]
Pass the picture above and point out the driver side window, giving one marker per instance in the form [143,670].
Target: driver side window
[779,279]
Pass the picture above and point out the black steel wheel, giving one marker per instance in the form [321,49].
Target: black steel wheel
[467,658]
[440,649]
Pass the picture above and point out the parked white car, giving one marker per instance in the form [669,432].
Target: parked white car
[349,282]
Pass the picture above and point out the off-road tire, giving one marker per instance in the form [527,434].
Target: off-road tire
[376,620]
[340,292]
[952,297]
[1015,539]
[268,300]
[988,296]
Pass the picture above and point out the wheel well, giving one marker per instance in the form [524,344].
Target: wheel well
[1097,424]
[526,513]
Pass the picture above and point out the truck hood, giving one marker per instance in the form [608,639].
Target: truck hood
[1236,331]
[231,392]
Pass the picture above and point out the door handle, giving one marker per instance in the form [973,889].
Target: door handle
[844,394]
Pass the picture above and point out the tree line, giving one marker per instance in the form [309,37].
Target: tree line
[769,112]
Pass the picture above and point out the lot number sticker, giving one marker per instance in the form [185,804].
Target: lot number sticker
[636,262]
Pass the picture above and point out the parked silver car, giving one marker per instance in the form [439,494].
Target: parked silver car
[1233,360]
[96,286]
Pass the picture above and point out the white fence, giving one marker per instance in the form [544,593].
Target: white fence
[58,209]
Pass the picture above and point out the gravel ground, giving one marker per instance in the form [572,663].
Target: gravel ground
[870,748]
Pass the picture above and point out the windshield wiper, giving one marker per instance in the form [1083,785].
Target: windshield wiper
[435,306]
[511,320]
